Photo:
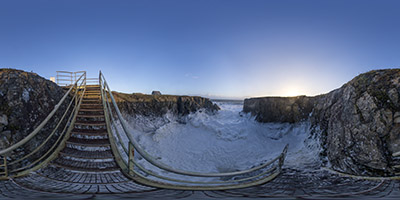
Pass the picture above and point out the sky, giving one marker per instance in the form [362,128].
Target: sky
[212,48]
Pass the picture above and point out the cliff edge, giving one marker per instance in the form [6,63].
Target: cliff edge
[359,123]
[158,105]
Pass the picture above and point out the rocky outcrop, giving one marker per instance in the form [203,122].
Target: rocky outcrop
[280,109]
[360,123]
[156,93]
[25,101]
[158,105]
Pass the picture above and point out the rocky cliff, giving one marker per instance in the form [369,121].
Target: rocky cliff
[360,123]
[280,109]
[158,105]
[25,101]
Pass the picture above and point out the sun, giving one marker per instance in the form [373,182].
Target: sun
[292,91]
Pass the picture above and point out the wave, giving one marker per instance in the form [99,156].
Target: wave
[226,141]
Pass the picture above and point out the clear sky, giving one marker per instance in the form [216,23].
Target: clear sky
[214,48]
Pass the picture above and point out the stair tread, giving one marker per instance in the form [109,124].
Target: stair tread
[91,104]
[89,142]
[91,123]
[91,131]
[90,116]
[91,110]
[85,166]
[107,154]
[91,100]
[84,145]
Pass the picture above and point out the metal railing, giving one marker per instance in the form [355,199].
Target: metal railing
[64,78]
[51,132]
[125,155]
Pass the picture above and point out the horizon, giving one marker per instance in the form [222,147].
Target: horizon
[216,49]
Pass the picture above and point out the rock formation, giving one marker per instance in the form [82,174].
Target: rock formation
[156,93]
[359,123]
[158,105]
[280,109]
[25,101]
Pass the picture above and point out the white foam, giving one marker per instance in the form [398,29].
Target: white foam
[226,141]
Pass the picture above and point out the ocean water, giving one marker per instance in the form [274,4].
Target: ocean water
[226,141]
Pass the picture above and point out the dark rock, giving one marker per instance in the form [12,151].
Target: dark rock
[158,105]
[359,123]
[280,109]
[156,93]
[25,101]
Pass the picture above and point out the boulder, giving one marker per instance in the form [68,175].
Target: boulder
[156,93]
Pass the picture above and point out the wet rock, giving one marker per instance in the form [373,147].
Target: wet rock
[159,105]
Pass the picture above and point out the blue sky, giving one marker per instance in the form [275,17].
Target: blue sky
[213,48]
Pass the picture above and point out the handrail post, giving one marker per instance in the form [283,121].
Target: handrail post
[5,166]
[131,157]
[282,157]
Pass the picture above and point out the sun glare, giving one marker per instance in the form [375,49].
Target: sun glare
[292,91]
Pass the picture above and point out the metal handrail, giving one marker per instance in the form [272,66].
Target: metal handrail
[43,159]
[128,166]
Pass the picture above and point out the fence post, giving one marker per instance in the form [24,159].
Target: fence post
[131,157]
[5,166]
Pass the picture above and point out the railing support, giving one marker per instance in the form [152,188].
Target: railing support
[5,166]
[131,157]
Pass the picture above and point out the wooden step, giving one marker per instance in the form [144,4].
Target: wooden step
[89,142]
[90,116]
[91,104]
[85,166]
[90,101]
[91,110]
[90,98]
[89,132]
[92,92]
[79,142]
[87,154]
[90,123]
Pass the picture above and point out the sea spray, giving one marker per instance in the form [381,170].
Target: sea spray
[226,141]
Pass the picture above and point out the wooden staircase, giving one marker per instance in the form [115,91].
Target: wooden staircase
[86,164]
[88,148]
